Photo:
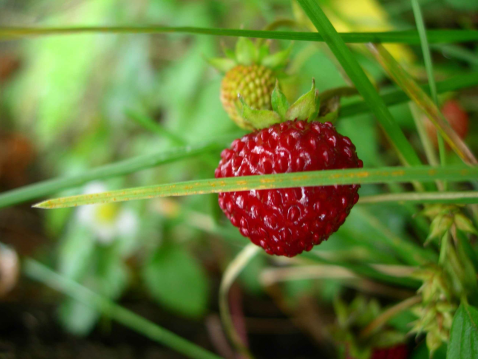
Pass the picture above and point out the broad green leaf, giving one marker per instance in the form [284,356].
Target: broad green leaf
[464,333]
[177,281]
[284,180]
[361,81]
[406,82]
[405,37]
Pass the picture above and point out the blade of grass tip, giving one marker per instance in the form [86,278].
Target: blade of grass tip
[402,37]
[284,180]
[40,273]
[398,96]
[431,78]
[232,272]
[467,197]
[360,80]
[121,168]
[404,80]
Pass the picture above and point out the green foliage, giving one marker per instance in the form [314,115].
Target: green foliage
[464,333]
[177,281]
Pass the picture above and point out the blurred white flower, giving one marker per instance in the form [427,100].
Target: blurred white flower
[107,221]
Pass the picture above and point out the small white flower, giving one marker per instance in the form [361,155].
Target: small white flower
[107,221]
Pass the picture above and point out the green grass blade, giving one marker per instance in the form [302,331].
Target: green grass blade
[431,78]
[360,80]
[458,53]
[408,251]
[467,197]
[131,165]
[405,81]
[284,180]
[425,48]
[38,272]
[402,37]
[398,96]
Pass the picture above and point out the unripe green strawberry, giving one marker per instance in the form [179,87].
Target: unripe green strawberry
[254,83]
[251,72]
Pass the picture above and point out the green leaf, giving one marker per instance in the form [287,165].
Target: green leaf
[402,37]
[246,52]
[284,180]
[469,197]
[464,333]
[360,80]
[177,281]
[279,101]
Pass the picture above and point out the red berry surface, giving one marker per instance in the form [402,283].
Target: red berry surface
[289,221]
[396,352]
[456,117]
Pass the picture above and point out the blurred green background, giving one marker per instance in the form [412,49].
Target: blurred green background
[70,103]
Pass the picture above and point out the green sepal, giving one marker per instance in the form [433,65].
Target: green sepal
[263,51]
[278,60]
[464,224]
[439,226]
[258,119]
[306,107]
[246,52]
[222,64]
[228,52]
[279,101]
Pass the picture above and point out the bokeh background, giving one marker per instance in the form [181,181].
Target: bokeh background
[70,103]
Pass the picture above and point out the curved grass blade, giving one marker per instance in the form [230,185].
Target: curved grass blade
[402,37]
[468,197]
[361,81]
[42,274]
[405,81]
[284,180]
[398,96]
[131,165]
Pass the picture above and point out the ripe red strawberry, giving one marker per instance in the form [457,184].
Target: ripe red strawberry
[456,117]
[252,72]
[288,221]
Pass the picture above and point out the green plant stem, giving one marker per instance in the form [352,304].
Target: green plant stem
[121,168]
[283,180]
[383,318]
[42,274]
[228,278]
[402,37]
[361,81]
[468,197]
[431,78]
[398,96]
